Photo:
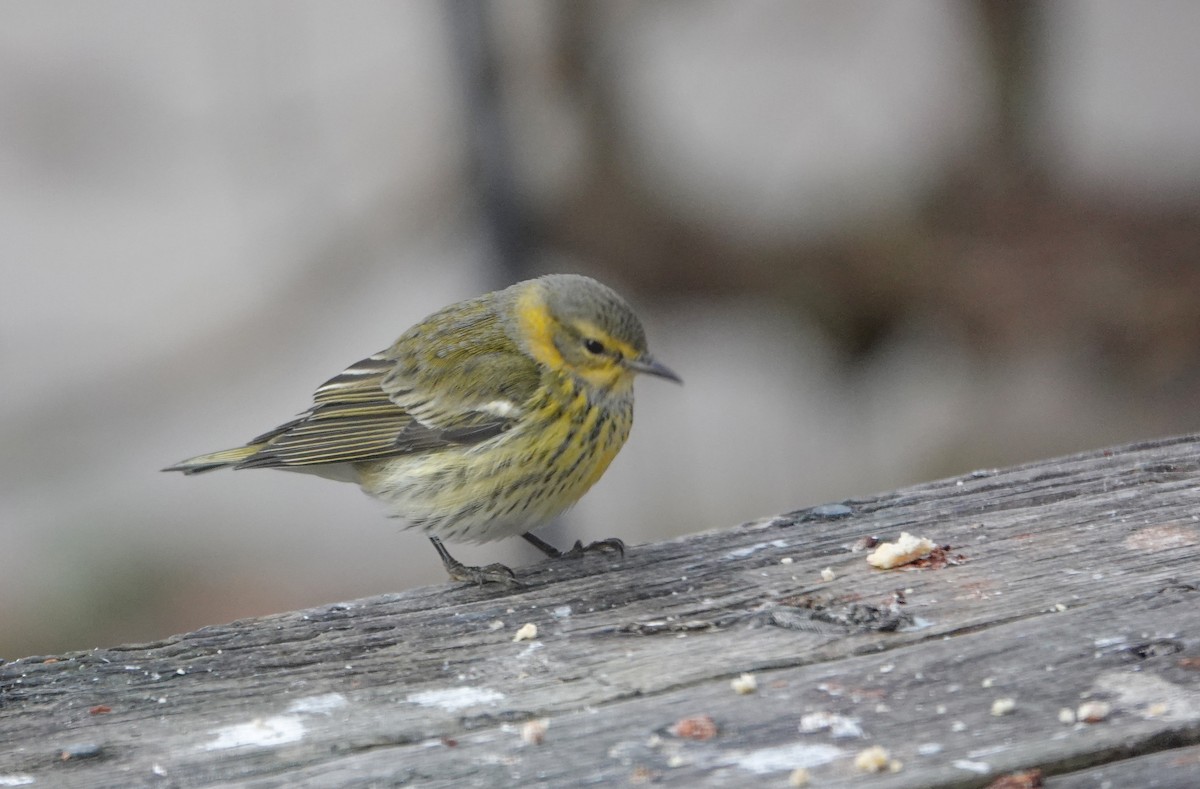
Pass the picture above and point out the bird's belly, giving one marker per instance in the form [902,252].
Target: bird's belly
[499,488]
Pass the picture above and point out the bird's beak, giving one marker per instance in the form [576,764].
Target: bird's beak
[646,364]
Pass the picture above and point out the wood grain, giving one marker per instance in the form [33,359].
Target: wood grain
[1070,580]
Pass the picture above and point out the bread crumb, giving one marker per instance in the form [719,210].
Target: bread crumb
[798,777]
[744,684]
[786,560]
[1003,706]
[534,732]
[697,727]
[894,554]
[528,632]
[872,760]
[1066,715]
[1093,711]
[827,574]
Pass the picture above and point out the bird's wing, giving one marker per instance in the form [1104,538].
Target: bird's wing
[351,420]
[460,374]
[403,400]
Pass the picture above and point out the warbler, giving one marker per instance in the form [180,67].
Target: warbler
[483,421]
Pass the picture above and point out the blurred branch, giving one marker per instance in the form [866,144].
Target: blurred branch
[1009,27]
[501,209]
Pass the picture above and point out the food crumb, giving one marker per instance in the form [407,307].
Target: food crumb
[1066,715]
[798,777]
[872,760]
[744,684]
[696,727]
[527,632]
[533,732]
[1093,711]
[1003,706]
[894,554]
[827,574]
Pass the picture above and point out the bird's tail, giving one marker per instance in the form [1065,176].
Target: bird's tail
[215,460]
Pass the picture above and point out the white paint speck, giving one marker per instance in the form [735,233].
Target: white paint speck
[562,612]
[979,768]
[839,726]
[1111,641]
[451,699]
[742,553]
[258,733]
[16,779]
[989,750]
[782,758]
[324,704]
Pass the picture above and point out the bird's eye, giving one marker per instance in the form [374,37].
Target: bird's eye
[594,346]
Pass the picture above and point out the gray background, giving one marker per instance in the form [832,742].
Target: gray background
[882,243]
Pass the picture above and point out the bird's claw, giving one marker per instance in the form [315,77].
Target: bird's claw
[610,545]
[491,574]
[495,573]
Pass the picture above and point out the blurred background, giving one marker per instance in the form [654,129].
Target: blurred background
[882,243]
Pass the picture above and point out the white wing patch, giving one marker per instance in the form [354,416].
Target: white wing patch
[505,409]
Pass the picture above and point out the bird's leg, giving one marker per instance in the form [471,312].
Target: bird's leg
[578,549]
[491,574]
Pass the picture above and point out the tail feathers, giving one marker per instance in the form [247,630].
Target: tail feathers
[215,460]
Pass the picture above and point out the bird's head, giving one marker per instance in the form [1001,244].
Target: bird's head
[573,323]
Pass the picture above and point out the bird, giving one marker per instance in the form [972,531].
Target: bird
[485,420]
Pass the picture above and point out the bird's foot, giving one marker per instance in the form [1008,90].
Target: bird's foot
[490,574]
[577,551]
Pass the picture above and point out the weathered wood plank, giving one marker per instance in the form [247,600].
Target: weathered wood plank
[1175,768]
[1082,580]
